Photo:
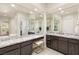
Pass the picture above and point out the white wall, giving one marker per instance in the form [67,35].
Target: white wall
[77,24]
[14,26]
[69,23]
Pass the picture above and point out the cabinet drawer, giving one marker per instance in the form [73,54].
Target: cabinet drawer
[55,37]
[9,48]
[26,43]
[27,50]
[63,39]
[73,41]
[13,52]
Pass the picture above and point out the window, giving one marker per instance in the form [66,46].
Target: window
[56,23]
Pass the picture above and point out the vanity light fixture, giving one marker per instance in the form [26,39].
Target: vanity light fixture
[13,5]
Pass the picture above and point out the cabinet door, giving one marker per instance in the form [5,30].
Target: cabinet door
[48,41]
[48,44]
[47,37]
[13,49]
[73,49]
[63,45]
[13,52]
[54,43]
[26,50]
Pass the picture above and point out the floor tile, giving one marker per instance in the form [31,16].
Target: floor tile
[48,51]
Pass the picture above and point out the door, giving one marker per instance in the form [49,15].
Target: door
[26,50]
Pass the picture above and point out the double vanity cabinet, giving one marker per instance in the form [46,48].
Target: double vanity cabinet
[24,48]
[21,48]
[67,46]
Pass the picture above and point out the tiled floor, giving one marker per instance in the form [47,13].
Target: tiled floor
[48,51]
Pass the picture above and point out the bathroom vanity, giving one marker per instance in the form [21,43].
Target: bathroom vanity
[66,44]
[20,46]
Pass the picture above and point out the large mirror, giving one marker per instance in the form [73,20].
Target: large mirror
[4,27]
[36,24]
[53,23]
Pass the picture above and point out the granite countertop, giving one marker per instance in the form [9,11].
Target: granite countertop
[11,41]
[65,35]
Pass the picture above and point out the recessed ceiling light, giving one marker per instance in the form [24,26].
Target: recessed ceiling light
[59,8]
[35,9]
[13,5]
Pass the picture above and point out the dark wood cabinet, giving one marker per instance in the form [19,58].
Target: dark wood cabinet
[27,50]
[63,45]
[67,46]
[13,52]
[73,47]
[24,48]
[54,43]
[48,41]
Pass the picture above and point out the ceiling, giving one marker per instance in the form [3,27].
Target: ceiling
[9,10]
